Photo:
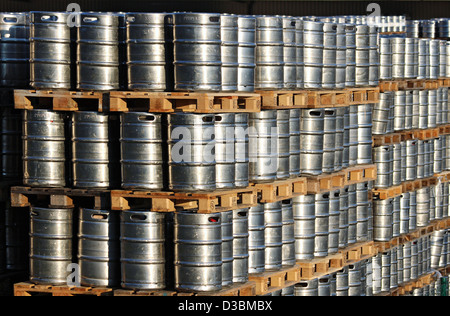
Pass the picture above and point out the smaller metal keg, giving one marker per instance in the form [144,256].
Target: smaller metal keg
[241,150]
[99,247]
[396,217]
[246,53]
[362,212]
[447,71]
[404,213]
[346,139]
[50,51]
[383,158]
[51,238]
[329,140]
[350,73]
[352,216]
[339,144]
[432,108]
[269,53]
[294,143]
[411,57]
[44,155]
[192,164]
[437,243]
[288,234]
[397,164]
[313,53]
[437,155]
[343,218]
[329,55]
[197,51]
[226,219]
[385,51]
[353,135]
[424,59]
[289,52]
[322,207]
[283,132]
[333,222]
[423,206]
[434,58]
[240,245]
[399,110]
[198,251]
[300,57]
[141,151]
[380,113]
[386,271]
[364,155]
[383,212]
[93,150]
[342,282]
[354,279]
[341,57]
[98,51]
[224,150]
[304,226]
[362,55]
[256,245]
[273,238]
[312,141]
[442,58]
[229,51]
[398,57]
[142,237]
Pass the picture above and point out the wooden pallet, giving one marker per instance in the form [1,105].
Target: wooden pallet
[244,289]
[387,193]
[364,95]
[418,184]
[269,282]
[444,129]
[388,139]
[280,190]
[308,99]
[348,176]
[61,100]
[391,85]
[167,102]
[444,82]
[30,289]
[22,196]
[202,202]
[318,267]
[415,284]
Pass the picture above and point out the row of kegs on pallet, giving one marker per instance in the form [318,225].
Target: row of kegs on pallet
[411,109]
[191,151]
[139,249]
[433,28]
[413,58]
[185,51]
[384,272]
[148,250]
[409,211]
[410,160]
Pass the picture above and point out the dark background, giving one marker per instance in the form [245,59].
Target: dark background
[412,9]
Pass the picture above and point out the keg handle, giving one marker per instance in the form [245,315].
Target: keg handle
[242,214]
[90,19]
[208,119]
[214,19]
[315,113]
[146,118]
[34,213]
[10,19]
[138,217]
[214,219]
[49,18]
[131,19]
[99,216]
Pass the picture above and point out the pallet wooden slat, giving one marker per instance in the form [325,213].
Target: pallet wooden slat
[30,289]
[268,282]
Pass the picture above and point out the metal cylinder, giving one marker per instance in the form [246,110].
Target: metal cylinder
[226,219]
[424,58]
[192,164]
[383,158]
[43,148]
[341,57]
[352,214]
[411,57]
[246,53]
[146,46]
[304,226]
[283,131]
[399,110]
[404,213]
[224,151]
[311,141]
[350,73]
[329,140]
[385,51]
[197,52]
[322,209]
[273,239]
[380,113]
[269,53]
[329,55]
[434,58]
[343,218]
[241,150]
[93,165]
[362,212]
[288,235]
[333,222]
[51,233]
[99,247]
[300,56]
[313,53]
[423,207]
[365,126]
[339,143]
[362,55]
[256,245]
[342,282]
[229,51]
[15,50]
[198,252]
[50,60]
[141,151]
[240,246]
[263,146]
[289,52]
[383,220]
[294,143]
[142,237]
[98,51]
